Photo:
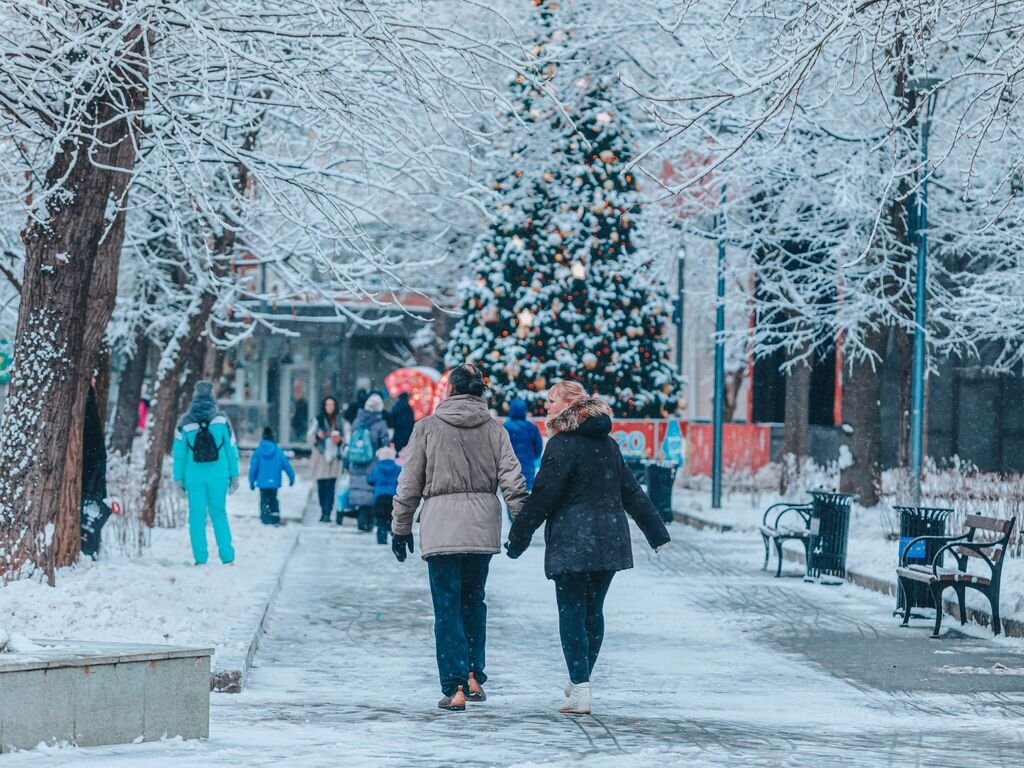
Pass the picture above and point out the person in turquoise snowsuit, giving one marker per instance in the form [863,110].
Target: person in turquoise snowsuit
[206,483]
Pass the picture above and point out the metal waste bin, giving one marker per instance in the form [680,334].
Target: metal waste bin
[637,465]
[660,476]
[830,531]
[914,522]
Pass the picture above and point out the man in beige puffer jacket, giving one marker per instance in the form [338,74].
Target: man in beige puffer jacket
[456,461]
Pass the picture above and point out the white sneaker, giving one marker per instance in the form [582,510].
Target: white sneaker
[577,700]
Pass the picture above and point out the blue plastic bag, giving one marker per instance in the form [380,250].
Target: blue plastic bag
[343,493]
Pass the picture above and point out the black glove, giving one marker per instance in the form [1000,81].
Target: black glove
[399,542]
[513,552]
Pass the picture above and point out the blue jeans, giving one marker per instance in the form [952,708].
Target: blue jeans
[580,598]
[325,495]
[457,585]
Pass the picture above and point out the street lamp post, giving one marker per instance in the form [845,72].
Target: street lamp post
[680,316]
[925,89]
[719,402]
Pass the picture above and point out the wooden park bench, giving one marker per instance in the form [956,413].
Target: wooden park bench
[785,522]
[989,551]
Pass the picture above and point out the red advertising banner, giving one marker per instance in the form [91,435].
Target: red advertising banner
[636,437]
[744,447]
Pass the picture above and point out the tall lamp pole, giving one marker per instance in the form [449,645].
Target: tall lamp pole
[680,309]
[719,403]
[925,89]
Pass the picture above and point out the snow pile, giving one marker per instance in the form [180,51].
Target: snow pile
[13,642]
[160,597]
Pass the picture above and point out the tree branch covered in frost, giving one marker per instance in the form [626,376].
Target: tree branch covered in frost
[371,116]
[810,115]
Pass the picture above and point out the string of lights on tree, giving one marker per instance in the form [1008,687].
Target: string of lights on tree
[561,288]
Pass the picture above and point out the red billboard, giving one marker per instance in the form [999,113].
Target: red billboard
[745,447]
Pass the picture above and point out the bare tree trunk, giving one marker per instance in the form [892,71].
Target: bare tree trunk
[213,362]
[126,417]
[862,428]
[796,432]
[101,299]
[71,252]
[102,368]
[169,373]
[191,372]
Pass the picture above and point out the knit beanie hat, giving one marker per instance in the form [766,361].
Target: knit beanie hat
[374,403]
[203,390]
[386,453]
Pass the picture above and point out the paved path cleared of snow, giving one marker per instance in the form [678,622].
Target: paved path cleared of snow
[707,662]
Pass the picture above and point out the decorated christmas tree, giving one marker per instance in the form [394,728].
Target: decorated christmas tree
[560,288]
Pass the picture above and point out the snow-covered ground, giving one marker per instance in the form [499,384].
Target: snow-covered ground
[871,550]
[162,597]
[707,662]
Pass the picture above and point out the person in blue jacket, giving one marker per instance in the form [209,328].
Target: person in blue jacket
[384,479]
[265,467]
[206,470]
[526,440]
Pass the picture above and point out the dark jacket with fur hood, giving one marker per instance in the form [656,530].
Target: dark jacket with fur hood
[582,493]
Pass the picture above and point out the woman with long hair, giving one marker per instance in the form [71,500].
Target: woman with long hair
[582,494]
[326,435]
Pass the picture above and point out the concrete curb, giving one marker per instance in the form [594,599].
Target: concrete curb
[230,678]
[1011,627]
[700,523]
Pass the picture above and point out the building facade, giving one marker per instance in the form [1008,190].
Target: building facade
[279,379]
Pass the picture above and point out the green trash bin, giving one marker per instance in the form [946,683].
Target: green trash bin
[830,531]
[914,522]
[660,477]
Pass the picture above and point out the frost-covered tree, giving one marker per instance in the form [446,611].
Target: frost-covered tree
[812,114]
[250,124]
[561,286]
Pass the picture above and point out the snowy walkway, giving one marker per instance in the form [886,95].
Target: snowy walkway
[707,662]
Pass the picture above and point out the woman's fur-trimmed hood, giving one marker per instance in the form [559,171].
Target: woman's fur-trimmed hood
[574,416]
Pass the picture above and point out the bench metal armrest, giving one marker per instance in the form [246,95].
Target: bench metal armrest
[804,510]
[949,539]
[960,558]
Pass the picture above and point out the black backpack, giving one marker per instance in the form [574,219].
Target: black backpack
[205,448]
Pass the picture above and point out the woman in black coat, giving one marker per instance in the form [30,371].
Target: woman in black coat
[93,509]
[583,492]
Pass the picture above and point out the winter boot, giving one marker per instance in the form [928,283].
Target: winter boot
[578,700]
[454,703]
[476,691]
[325,517]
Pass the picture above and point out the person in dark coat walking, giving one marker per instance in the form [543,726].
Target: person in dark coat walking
[402,421]
[369,435]
[582,494]
[93,508]
[353,408]
[526,439]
